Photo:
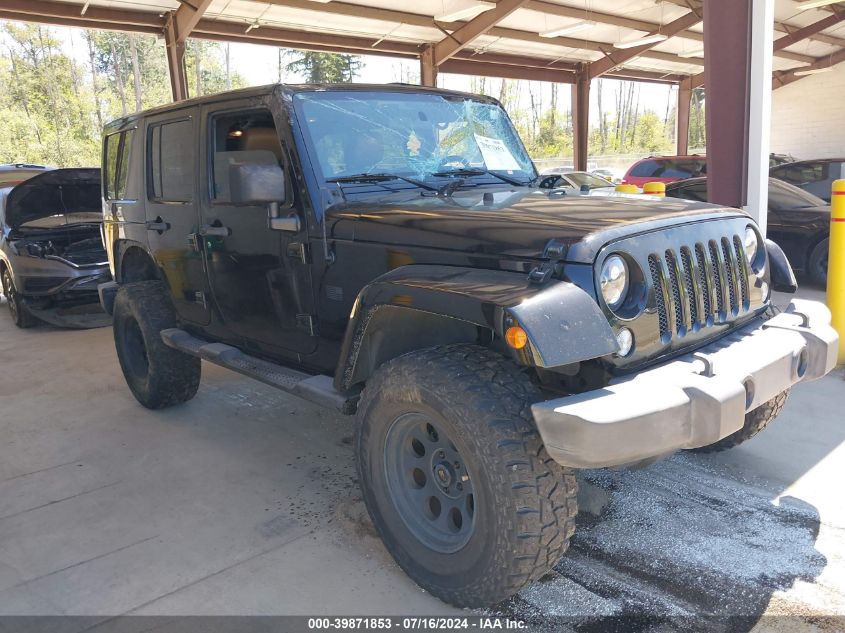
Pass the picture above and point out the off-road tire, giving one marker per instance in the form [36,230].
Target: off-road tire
[526,503]
[21,316]
[157,375]
[755,421]
[817,263]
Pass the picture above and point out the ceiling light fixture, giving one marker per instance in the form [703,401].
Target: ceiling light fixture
[813,71]
[467,12]
[697,52]
[648,39]
[815,4]
[566,30]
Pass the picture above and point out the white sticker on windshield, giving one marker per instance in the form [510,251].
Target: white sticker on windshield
[496,154]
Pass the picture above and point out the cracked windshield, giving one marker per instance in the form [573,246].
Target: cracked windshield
[382,135]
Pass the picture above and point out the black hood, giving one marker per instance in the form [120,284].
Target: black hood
[55,192]
[513,224]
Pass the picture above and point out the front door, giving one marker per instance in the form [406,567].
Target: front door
[172,217]
[259,277]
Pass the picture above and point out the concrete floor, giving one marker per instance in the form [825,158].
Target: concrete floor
[244,501]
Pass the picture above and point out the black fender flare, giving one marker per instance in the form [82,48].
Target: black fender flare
[564,323]
[782,275]
[122,247]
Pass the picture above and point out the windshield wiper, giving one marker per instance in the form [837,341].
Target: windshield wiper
[381,177]
[476,171]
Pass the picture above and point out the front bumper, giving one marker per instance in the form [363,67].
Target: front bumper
[694,400]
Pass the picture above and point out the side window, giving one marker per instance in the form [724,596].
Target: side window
[241,137]
[116,160]
[695,191]
[170,151]
[644,169]
[802,173]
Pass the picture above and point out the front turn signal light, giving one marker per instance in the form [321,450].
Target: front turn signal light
[516,337]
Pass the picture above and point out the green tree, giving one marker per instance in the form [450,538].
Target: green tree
[46,110]
[323,67]
[53,107]
[697,126]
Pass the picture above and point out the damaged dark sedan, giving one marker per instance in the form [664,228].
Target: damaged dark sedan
[51,249]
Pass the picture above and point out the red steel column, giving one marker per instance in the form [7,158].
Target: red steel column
[682,115]
[428,69]
[727,58]
[581,119]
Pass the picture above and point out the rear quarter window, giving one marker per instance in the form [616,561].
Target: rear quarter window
[116,157]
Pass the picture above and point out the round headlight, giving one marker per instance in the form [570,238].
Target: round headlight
[613,281]
[750,244]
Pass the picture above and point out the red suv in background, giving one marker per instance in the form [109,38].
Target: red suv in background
[665,169]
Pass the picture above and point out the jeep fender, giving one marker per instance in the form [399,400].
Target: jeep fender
[425,305]
[782,275]
[134,262]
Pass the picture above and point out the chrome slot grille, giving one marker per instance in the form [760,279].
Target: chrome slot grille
[657,281]
[743,272]
[686,258]
[703,279]
[697,286]
[675,287]
[730,276]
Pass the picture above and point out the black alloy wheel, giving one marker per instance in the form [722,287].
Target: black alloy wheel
[429,483]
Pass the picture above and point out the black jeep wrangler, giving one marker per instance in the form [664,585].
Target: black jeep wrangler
[384,250]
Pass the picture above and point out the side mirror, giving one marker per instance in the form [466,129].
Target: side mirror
[253,183]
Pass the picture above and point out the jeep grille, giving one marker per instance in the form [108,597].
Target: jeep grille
[699,286]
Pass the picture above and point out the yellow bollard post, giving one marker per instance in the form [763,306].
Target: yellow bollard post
[625,188]
[655,189]
[836,264]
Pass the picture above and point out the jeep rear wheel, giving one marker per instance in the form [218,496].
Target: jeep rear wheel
[21,315]
[455,475]
[157,375]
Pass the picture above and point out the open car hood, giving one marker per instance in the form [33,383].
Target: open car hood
[54,193]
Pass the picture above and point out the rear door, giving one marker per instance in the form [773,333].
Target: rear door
[172,210]
[260,277]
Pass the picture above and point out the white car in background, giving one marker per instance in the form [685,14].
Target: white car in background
[579,181]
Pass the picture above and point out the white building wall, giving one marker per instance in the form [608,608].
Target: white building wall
[808,116]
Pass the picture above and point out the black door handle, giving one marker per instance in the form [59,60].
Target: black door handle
[158,225]
[207,230]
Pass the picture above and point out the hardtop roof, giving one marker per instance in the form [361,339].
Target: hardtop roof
[286,89]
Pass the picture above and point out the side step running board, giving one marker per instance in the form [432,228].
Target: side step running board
[318,389]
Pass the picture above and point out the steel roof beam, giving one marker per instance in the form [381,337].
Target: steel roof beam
[784,78]
[808,31]
[67,14]
[427,21]
[417,19]
[463,36]
[781,27]
[616,57]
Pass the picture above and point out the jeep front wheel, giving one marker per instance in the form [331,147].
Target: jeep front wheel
[455,475]
[755,421]
[157,375]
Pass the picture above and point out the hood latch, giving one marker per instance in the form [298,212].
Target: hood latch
[553,256]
